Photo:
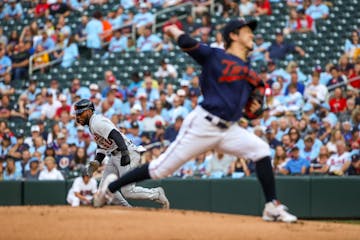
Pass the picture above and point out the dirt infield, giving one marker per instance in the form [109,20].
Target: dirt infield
[65,223]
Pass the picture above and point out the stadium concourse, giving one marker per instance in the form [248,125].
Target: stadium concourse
[115,53]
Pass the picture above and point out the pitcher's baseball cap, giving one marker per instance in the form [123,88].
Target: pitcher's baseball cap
[234,24]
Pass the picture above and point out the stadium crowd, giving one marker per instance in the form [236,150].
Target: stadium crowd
[311,121]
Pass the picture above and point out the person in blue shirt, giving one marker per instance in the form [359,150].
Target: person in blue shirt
[260,48]
[317,10]
[279,49]
[227,81]
[13,10]
[296,165]
[118,42]
[10,171]
[148,42]
[46,41]
[143,18]
[5,62]
[70,53]
[309,151]
[93,30]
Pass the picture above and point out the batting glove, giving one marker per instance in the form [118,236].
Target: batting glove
[125,158]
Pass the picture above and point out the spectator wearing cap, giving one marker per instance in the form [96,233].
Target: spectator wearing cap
[118,42]
[260,47]
[150,120]
[336,81]
[19,147]
[315,92]
[61,139]
[166,70]
[148,41]
[58,8]
[304,22]
[133,133]
[318,10]
[296,164]
[178,109]
[11,171]
[136,82]
[94,89]
[110,80]
[82,190]
[5,146]
[35,132]
[151,92]
[50,172]
[280,49]
[183,94]
[49,109]
[126,106]
[270,137]
[89,145]
[34,169]
[262,7]
[93,31]
[309,151]
[64,107]
[144,18]
[172,131]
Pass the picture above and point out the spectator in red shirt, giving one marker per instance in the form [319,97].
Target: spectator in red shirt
[337,102]
[304,23]
[354,78]
[263,7]
[64,107]
[41,8]
[173,20]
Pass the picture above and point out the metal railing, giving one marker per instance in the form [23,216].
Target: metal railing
[156,25]
[344,84]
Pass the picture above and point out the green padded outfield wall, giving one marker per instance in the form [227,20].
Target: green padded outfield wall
[335,197]
[44,192]
[11,193]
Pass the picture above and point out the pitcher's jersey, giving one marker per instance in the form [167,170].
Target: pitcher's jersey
[100,127]
[226,81]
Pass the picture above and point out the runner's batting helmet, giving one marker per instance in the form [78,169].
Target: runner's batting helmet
[82,105]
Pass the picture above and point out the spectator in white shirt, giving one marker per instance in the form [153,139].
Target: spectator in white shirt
[219,43]
[315,92]
[50,172]
[246,8]
[166,70]
[50,107]
[82,190]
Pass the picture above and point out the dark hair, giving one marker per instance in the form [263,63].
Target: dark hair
[228,40]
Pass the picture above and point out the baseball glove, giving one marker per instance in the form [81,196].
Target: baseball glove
[254,107]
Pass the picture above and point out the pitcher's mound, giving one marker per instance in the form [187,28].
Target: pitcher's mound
[63,223]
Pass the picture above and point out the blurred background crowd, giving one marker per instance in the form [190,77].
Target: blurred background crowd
[114,52]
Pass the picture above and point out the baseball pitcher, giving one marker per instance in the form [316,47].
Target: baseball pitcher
[231,90]
[124,155]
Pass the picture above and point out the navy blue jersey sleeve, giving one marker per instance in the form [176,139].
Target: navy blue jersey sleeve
[199,52]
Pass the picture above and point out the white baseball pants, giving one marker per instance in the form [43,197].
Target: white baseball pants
[198,135]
